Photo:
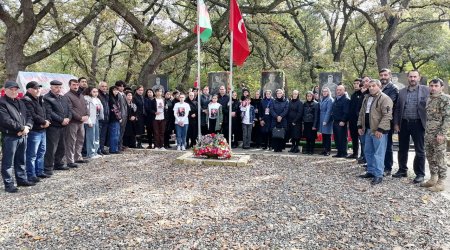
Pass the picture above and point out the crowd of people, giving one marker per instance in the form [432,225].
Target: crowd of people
[42,134]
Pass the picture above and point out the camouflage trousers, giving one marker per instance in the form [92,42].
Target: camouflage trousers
[436,153]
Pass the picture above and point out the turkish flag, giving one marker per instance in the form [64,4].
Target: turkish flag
[240,42]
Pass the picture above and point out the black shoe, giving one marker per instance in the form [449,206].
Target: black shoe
[264,147]
[82,161]
[245,147]
[48,173]
[360,158]
[26,184]
[62,167]
[11,189]
[43,175]
[72,165]
[104,152]
[364,165]
[115,153]
[326,154]
[418,179]
[338,156]
[361,161]
[366,175]
[352,156]
[400,175]
[387,173]
[376,180]
[34,179]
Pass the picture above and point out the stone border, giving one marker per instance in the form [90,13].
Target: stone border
[237,160]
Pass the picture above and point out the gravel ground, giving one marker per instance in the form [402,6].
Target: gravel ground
[141,200]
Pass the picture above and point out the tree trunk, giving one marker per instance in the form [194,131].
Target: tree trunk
[150,65]
[187,67]
[14,56]
[383,55]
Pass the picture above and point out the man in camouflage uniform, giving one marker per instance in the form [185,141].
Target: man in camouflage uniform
[438,122]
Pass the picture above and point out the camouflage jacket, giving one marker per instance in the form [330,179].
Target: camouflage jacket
[438,114]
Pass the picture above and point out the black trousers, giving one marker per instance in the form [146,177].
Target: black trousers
[389,157]
[256,134]
[326,140]
[353,127]
[55,150]
[414,129]
[340,138]
[192,134]
[278,145]
[150,133]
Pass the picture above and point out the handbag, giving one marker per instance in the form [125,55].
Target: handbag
[278,133]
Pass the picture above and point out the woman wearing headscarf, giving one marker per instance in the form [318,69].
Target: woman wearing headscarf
[192,133]
[279,110]
[138,99]
[311,117]
[150,117]
[266,120]
[295,114]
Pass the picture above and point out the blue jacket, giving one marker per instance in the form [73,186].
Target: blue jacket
[340,110]
[267,118]
[326,105]
[279,108]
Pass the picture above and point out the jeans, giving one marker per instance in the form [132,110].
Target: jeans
[13,157]
[103,128]
[375,150]
[326,142]
[414,129]
[36,145]
[362,139]
[114,136]
[181,134]
[246,134]
[92,139]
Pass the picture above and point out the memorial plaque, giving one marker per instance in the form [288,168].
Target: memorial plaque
[330,80]
[158,81]
[217,79]
[272,80]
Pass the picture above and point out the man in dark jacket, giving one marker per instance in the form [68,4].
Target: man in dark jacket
[36,141]
[103,124]
[340,112]
[205,99]
[392,91]
[15,124]
[224,100]
[354,106]
[59,112]
[123,110]
[75,130]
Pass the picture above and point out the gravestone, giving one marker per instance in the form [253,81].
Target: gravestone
[272,80]
[217,79]
[330,80]
[158,81]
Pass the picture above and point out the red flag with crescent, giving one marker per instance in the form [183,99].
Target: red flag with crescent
[240,43]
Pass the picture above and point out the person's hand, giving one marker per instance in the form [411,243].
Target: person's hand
[324,123]
[262,123]
[132,118]
[378,134]
[253,124]
[342,124]
[205,111]
[91,125]
[440,139]
[47,123]
[65,121]
[19,133]
[233,114]
[313,128]
[157,113]
[84,118]
[26,130]
[360,131]
[396,128]
[193,115]
[279,118]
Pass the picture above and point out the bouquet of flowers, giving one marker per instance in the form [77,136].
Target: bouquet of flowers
[213,146]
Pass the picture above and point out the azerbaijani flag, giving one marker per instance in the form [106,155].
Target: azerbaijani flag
[203,21]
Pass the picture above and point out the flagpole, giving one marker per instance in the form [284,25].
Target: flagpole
[231,89]
[199,92]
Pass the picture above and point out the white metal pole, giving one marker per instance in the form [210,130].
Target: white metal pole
[199,92]
[231,88]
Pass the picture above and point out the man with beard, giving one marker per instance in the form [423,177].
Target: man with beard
[410,121]
[392,91]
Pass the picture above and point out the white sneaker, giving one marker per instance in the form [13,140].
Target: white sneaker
[178,148]
[162,148]
[183,148]
[96,157]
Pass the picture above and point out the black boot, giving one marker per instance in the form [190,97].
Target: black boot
[139,142]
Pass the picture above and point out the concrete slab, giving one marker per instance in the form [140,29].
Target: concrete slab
[237,160]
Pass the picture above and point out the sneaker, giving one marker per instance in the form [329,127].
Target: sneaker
[178,148]
[162,149]
[96,157]
[183,148]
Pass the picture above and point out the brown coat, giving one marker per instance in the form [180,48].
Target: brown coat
[79,106]
[380,115]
